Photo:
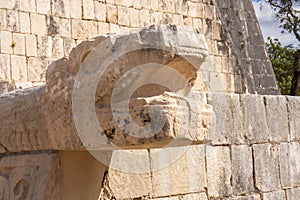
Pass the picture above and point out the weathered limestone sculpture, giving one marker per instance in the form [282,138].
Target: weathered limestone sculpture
[176,49]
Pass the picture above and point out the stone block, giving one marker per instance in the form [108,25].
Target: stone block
[156,18]
[129,170]
[144,18]
[218,171]
[277,118]
[295,164]
[110,1]
[137,4]
[111,13]
[154,5]
[88,9]
[230,83]
[255,128]
[12,19]
[145,4]
[37,68]
[180,8]
[19,43]
[242,170]
[59,26]
[285,168]
[124,29]
[134,17]
[92,29]
[123,16]
[293,194]
[218,63]
[177,19]
[52,25]
[100,11]
[266,167]
[209,12]
[8,4]
[127,3]
[45,46]
[19,68]
[192,9]
[224,63]
[167,18]
[24,22]
[178,170]
[214,47]
[294,116]
[3,19]
[38,24]
[64,27]
[79,29]
[28,5]
[114,28]
[69,44]
[217,82]
[43,6]
[229,117]
[277,195]
[4,67]
[103,28]
[6,42]
[216,30]
[57,48]
[61,8]
[289,164]
[76,9]
[166,6]
[31,45]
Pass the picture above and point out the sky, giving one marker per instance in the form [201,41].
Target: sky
[270,25]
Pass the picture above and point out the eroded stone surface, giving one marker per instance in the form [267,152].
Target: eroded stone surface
[266,166]
[28,176]
[289,164]
[278,195]
[228,117]
[276,110]
[178,170]
[293,194]
[218,171]
[255,128]
[294,114]
[128,175]
[242,169]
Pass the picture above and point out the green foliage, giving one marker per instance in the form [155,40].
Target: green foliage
[282,60]
[288,15]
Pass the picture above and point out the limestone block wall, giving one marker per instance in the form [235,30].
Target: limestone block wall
[36,32]
[254,155]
